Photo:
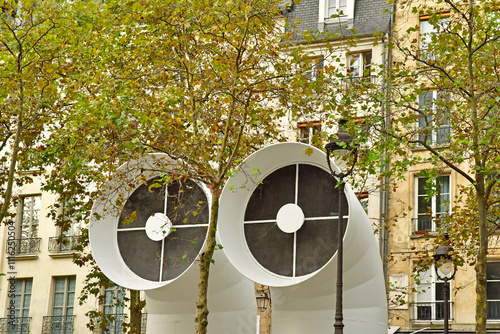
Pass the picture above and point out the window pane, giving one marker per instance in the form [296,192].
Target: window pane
[443,135]
[72,283]
[60,284]
[70,299]
[424,312]
[493,290]
[424,204]
[422,184]
[355,65]
[424,223]
[443,202]
[26,301]
[493,271]
[28,285]
[424,293]
[367,64]
[426,100]
[58,299]
[440,311]
[439,291]
[493,310]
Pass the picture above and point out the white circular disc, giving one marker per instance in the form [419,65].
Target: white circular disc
[290,218]
[158,226]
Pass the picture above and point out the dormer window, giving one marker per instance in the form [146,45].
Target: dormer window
[334,11]
[337,8]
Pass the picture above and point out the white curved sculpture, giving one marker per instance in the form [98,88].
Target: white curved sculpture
[277,225]
[155,251]
[279,232]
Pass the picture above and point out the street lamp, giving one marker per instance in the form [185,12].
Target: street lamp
[444,267]
[340,146]
[262,301]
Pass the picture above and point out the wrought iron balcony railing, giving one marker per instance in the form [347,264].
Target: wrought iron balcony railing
[114,327]
[62,244]
[430,311]
[366,79]
[24,246]
[18,325]
[422,224]
[58,324]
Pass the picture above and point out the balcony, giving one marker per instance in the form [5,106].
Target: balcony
[62,244]
[430,311]
[116,327]
[113,327]
[58,324]
[422,225]
[24,246]
[18,325]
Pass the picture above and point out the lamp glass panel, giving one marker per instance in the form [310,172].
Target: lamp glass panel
[446,267]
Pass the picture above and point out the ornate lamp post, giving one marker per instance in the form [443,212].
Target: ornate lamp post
[262,301]
[340,146]
[444,267]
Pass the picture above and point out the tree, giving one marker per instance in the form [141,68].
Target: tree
[440,109]
[206,82]
[40,47]
[33,46]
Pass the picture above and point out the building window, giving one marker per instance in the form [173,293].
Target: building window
[429,297]
[493,290]
[341,10]
[62,319]
[434,119]
[428,29]
[114,306]
[23,297]
[337,7]
[315,69]
[360,65]
[431,209]
[22,303]
[30,216]
[68,218]
[64,295]
[309,132]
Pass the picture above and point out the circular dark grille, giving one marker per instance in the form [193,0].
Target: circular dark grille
[310,247]
[185,204]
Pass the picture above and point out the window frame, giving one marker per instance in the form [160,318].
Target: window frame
[66,292]
[110,308]
[314,71]
[20,307]
[31,227]
[488,300]
[433,283]
[323,17]
[433,214]
[313,129]
[75,228]
[423,116]
[425,37]
[362,68]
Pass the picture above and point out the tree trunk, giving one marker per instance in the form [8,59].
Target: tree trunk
[481,259]
[13,157]
[135,312]
[201,318]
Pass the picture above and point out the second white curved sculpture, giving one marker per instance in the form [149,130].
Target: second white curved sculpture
[277,223]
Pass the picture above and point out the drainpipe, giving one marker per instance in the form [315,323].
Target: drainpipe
[384,182]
